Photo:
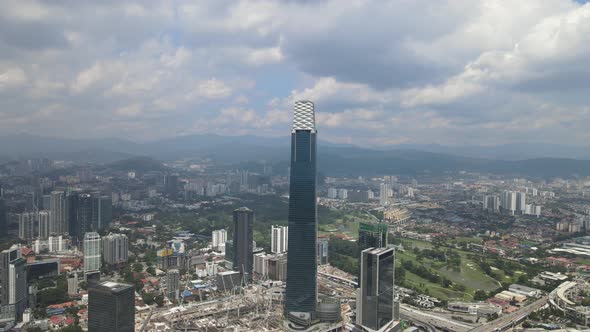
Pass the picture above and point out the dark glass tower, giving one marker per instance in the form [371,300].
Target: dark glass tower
[111,307]
[243,246]
[376,293]
[301,294]
[371,235]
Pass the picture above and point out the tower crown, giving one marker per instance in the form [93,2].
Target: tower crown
[304,116]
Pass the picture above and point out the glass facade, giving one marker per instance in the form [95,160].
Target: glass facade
[111,307]
[375,308]
[243,246]
[301,293]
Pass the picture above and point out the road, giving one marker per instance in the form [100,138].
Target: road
[510,320]
[433,320]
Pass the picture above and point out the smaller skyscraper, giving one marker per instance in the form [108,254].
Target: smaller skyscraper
[172,284]
[375,297]
[243,246]
[58,208]
[279,239]
[26,225]
[91,252]
[102,211]
[115,249]
[219,237]
[384,194]
[171,186]
[111,307]
[44,224]
[323,250]
[13,281]
[521,202]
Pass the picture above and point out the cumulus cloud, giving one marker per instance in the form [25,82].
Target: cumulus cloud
[479,72]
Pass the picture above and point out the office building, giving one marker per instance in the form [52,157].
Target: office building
[102,212]
[111,307]
[243,245]
[91,252]
[219,237]
[58,217]
[371,235]
[171,186]
[172,284]
[26,225]
[73,284]
[323,250]
[301,292]
[375,297]
[44,224]
[13,281]
[279,239]
[115,249]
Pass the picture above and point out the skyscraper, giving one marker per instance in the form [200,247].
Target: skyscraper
[111,307]
[279,239]
[26,225]
[58,207]
[243,246]
[91,251]
[371,235]
[115,249]
[3,217]
[172,284]
[376,293]
[301,293]
[102,212]
[13,279]
[44,224]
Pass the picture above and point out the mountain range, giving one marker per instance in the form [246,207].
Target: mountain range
[539,160]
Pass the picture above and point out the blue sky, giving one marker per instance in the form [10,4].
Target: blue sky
[381,73]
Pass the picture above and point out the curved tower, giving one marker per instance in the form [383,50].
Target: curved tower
[301,294]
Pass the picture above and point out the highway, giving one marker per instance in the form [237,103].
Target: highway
[431,320]
[507,321]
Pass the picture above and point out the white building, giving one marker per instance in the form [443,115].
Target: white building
[279,239]
[115,249]
[521,202]
[91,251]
[43,229]
[26,225]
[384,194]
[342,193]
[332,193]
[219,237]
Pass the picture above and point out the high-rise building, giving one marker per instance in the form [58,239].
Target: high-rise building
[171,185]
[279,239]
[115,249]
[301,293]
[44,224]
[91,251]
[172,284]
[13,281]
[58,222]
[384,193]
[508,203]
[26,225]
[111,307]
[102,212]
[219,237]
[375,296]
[521,202]
[332,192]
[243,245]
[371,235]
[323,250]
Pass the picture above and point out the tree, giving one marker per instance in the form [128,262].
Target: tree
[480,295]
[137,267]
[148,298]
[72,328]
[151,270]
[159,300]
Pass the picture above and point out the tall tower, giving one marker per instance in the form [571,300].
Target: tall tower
[301,294]
[243,245]
[376,294]
[111,307]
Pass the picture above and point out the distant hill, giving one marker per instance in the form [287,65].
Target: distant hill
[536,159]
[138,164]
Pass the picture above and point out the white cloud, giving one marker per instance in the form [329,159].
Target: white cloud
[213,89]
[12,77]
